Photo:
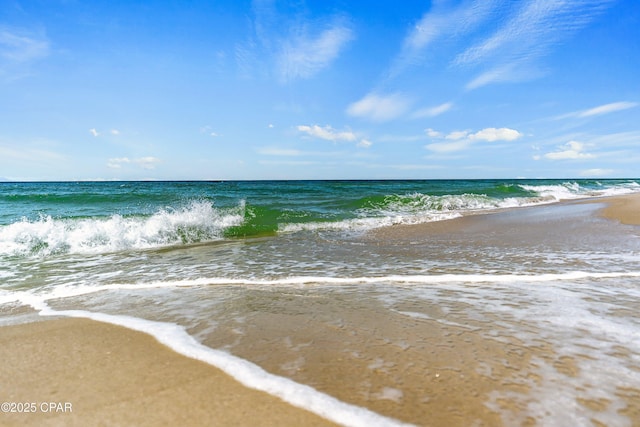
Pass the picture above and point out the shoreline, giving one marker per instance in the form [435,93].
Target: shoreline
[96,373]
[624,209]
[116,375]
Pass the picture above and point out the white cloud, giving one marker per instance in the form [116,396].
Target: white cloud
[289,43]
[327,133]
[443,21]
[364,143]
[503,73]
[432,111]
[303,56]
[93,132]
[602,109]
[116,163]
[533,29]
[457,134]
[529,33]
[572,150]
[433,133]
[463,139]
[379,108]
[143,162]
[493,134]
[115,132]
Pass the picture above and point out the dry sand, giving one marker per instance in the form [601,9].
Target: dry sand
[109,375]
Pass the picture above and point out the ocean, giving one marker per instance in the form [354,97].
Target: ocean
[368,302]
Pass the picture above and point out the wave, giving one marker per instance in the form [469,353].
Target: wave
[200,220]
[574,190]
[197,222]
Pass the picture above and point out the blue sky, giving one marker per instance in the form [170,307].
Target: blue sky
[325,89]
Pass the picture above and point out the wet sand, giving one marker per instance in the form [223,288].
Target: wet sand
[101,374]
[625,209]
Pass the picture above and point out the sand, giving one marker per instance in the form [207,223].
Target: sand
[100,374]
[625,209]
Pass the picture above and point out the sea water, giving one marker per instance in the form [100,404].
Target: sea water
[347,297]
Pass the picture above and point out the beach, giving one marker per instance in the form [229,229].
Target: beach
[518,316]
[623,209]
[101,374]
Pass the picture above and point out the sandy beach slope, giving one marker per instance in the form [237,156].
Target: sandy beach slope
[625,209]
[100,374]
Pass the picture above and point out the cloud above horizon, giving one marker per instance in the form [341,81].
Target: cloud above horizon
[327,133]
[147,163]
[504,38]
[303,55]
[432,111]
[601,109]
[460,140]
[294,45]
[572,150]
[380,108]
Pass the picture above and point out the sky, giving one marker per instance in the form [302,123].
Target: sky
[319,89]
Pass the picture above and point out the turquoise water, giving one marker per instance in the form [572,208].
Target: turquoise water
[283,276]
[94,217]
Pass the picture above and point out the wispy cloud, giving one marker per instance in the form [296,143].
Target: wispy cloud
[20,46]
[461,140]
[526,35]
[328,133]
[443,21]
[502,38]
[94,132]
[292,45]
[432,111]
[147,163]
[364,143]
[600,110]
[303,55]
[380,108]
[572,150]
[19,50]
[30,154]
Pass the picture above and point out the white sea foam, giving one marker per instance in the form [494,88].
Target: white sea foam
[199,221]
[245,372]
[363,224]
[573,190]
[73,290]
